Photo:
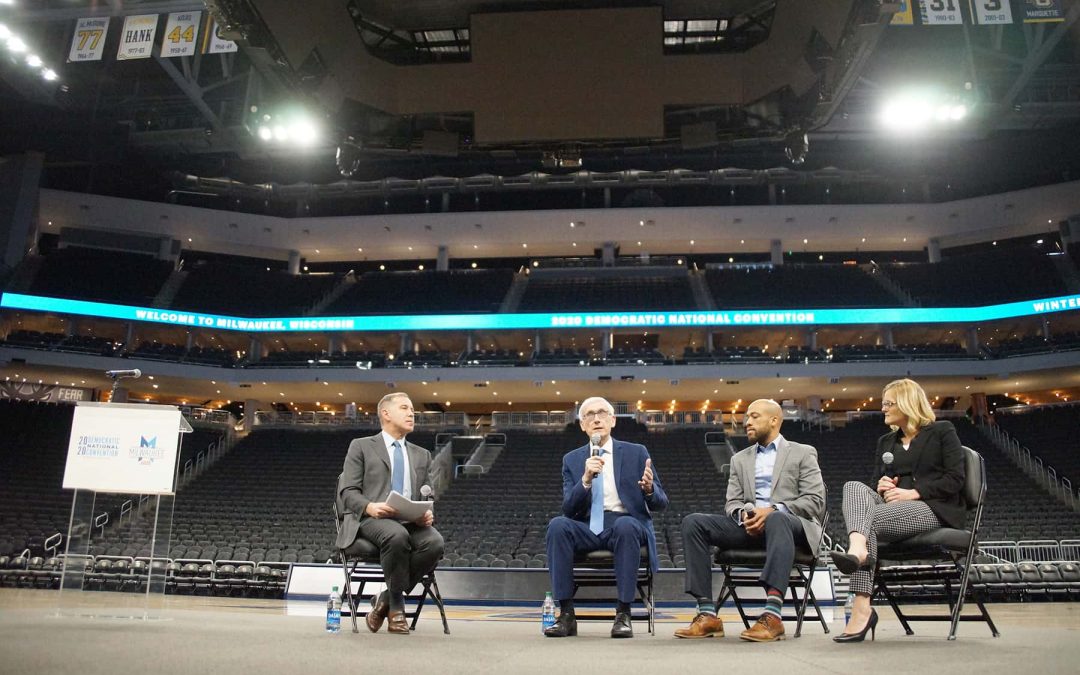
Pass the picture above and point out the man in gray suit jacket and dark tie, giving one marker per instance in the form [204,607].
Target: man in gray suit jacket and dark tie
[373,467]
[775,501]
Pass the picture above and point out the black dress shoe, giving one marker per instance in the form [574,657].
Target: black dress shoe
[871,625]
[565,626]
[849,564]
[622,627]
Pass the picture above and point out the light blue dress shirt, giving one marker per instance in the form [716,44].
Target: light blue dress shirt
[764,464]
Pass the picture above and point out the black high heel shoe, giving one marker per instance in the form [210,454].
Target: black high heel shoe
[849,564]
[871,625]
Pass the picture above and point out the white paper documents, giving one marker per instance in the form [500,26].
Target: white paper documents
[406,508]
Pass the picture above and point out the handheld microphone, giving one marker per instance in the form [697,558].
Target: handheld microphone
[594,442]
[748,508]
[887,460]
[117,374]
[427,493]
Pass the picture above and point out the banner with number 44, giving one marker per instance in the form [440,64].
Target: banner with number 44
[181,31]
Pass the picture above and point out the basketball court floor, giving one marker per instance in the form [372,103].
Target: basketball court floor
[108,633]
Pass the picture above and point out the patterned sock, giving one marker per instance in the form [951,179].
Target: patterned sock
[706,606]
[774,600]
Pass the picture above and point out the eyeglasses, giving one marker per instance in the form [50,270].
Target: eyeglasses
[888,404]
[596,415]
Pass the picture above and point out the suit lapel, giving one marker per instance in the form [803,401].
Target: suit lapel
[782,452]
[619,458]
[749,461]
[916,448]
[379,448]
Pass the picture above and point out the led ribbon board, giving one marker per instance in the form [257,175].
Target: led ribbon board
[763,317]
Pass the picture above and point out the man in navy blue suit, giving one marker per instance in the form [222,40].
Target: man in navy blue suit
[609,491]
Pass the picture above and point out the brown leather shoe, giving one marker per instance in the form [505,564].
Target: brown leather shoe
[397,624]
[380,606]
[703,626]
[768,628]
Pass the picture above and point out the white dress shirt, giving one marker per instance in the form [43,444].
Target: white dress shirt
[611,490]
[388,440]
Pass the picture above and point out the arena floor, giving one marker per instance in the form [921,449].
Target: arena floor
[96,633]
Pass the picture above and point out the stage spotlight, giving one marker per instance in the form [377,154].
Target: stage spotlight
[796,145]
[917,110]
[303,132]
[348,156]
[266,134]
[49,74]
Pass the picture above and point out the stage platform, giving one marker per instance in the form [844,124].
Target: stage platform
[186,634]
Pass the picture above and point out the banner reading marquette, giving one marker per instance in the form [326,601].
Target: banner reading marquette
[1042,11]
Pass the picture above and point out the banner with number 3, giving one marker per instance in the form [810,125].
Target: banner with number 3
[181,31]
[992,12]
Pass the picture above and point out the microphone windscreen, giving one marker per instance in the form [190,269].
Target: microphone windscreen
[425,491]
[749,507]
[887,458]
[595,440]
[136,373]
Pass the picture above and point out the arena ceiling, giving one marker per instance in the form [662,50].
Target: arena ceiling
[760,76]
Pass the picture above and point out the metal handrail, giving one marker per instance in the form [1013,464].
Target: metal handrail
[1044,474]
[53,543]
[100,521]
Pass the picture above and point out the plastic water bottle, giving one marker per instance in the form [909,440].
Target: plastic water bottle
[547,612]
[847,607]
[333,612]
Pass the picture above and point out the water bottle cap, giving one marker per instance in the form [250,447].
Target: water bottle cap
[335,589]
[547,594]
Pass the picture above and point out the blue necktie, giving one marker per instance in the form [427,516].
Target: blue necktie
[596,513]
[397,477]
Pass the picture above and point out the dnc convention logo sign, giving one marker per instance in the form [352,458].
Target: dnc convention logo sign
[147,452]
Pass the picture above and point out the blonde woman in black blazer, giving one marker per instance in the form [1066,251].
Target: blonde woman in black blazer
[922,492]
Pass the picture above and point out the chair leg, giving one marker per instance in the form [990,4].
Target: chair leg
[884,590]
[348,591]
[437,597]
[425,583]
[645,590]
[799,606]
[727,590]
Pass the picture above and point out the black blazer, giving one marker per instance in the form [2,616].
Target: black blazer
[938,469]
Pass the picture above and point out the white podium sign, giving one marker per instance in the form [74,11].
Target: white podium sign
[123,448]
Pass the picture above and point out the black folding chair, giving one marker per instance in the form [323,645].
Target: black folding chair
[742,568]
[596,569]
[360,564]
[954,551]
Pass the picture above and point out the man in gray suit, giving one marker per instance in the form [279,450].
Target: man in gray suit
[775,501]
[373,467]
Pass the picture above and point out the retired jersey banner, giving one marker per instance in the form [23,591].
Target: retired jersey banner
[941,12]
[214,43]
[137,38]
[904,16]
[88,43]
[180,32]
[991,12]
[1042,11]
